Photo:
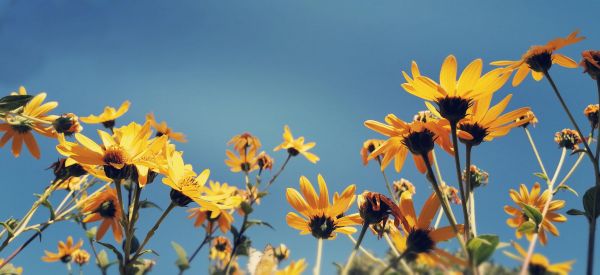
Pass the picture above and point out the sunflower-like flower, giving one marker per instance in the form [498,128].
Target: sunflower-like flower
[297,146]
[537,200]
[375,208]
[19,128]
[67,124]
[163,129]
[245,142]
[591,63]
[538,59]
[129,150]
[294,268]
[591,112]
[104,206]
[418,137]
[245,162]
[65,251]
[486,123]
[368,147]
[221,249]
[568,138]
[108,116]
[539,264]
[419,241]
[222,217]
[319,217]
[81,257]
[454,97]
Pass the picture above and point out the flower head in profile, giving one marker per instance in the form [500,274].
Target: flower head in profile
[162,129]
[65,251]
[484,123]
[81,257]
[294,268]
[222,217]
[568,138]
[419,241]
[319,217]
[537,200]
[241,163]
[591,112]
[368,147]
[297,146]
[454,97]
[221,249]
[108,116]
[104,206]
[538,59]
[591,63]
[539,264]
[20,128]
[245,142]
[375,208]
[417,137]
[530,117]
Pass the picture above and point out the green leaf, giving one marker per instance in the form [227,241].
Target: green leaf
[259,222]
[532,213]
[567,188]
[114,250]
[588,202]
[11,102]
[575,212]
[482,247]
[8,229]
[182,261]
[149,204]
[527,227]
[541,176]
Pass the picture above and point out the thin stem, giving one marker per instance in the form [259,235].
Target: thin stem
[533,241]
[571,171]
[387,182]
[535,151]
[459,179]
[405,266]
[470,190]
[272,180]
[442,183]
[69,270]
[25,244]
[356,247]
[317,269]
[152,231]
[206,239]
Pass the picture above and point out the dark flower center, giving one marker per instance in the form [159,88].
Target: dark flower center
[477,131]
[371,148]
[418,241]
[245,166]
[420,143]
[21,128]
[540,62]
[453,108]
[322,227]
[114,155]
[536,269]
[107,209]
[293,151]
[179,198]
[63,125]
[65,259]
[109,124]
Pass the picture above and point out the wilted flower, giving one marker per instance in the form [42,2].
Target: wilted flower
[568,138]
[81,257]
[530,117]
[591,63]
[264,161]
[478,177]
[451,194]
[591,112]
[375,208]
[368,147]
[245,143]
[403,185]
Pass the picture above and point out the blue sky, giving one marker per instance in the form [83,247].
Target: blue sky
[214,69]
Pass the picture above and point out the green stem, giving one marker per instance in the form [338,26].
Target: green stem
[470,190]
[459,179]
[152,231]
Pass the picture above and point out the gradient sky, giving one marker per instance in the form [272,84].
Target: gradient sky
[214,69]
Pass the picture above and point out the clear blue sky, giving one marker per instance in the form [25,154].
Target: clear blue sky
[213,69]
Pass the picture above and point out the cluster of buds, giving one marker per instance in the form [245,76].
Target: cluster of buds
[478,176]
[403,185]
[591,112]
[568,138]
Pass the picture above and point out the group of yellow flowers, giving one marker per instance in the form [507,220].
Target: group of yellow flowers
[105,180]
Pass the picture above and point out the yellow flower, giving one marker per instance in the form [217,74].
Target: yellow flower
[420,242]
[539,264]
[530,116]
[222,217]
[163,129]
[537,200]
[221,249]
[65,251]
[297,146]
[319,217]
[245,162]
[368,147]
[129,147]
[454,97]
[245,142]
[295,268]
[81,257]
[418,137]
[484,123]
[20,128]
[108,116]
[540,58]
[104,206]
